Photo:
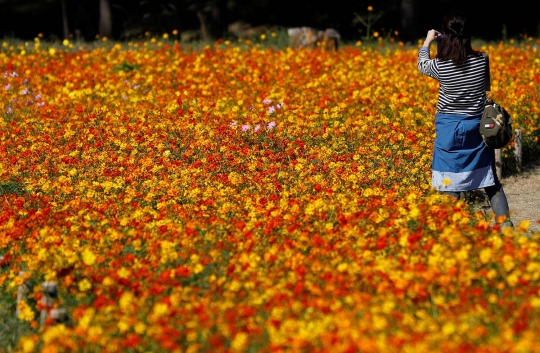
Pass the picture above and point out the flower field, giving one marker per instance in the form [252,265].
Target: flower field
[249,199]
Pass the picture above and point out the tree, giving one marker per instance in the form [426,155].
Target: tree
[105,19]
[408,20]
[211,18]
[65,23]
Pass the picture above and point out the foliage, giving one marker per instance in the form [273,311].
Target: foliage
[367,21]
[124,66]
[12,187]
[11,328]
[242,196]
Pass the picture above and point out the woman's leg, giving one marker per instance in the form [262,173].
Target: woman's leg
[498,201]
[497,197]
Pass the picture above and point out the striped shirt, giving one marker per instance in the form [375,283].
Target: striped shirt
[462,88]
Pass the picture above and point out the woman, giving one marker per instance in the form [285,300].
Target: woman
[461,160]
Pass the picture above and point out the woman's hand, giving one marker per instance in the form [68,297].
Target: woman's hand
[430,37]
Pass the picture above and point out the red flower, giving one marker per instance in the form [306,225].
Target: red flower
[131,341]
[183,271]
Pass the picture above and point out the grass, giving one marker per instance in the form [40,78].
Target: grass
[11,328]
[12,187]
[272,38]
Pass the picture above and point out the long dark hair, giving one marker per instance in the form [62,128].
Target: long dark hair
[455,45]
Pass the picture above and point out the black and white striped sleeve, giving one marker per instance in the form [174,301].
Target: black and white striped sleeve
[426,65]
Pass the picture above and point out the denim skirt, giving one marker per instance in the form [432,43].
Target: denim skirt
[461,159]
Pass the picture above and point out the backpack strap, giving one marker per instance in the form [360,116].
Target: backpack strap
[487,82]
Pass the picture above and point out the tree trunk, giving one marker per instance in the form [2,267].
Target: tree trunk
[105,19]
[65,24]
[408,16]
[217,20]
[205,36]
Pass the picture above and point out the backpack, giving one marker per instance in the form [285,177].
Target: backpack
[495,126]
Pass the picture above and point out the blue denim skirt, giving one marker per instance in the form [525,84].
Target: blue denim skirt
[461,159]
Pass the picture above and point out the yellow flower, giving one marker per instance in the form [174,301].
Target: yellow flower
[25,312]
[18,281]
[84,285]
[485,255]
[235,178]
[125,300]
[160,309]
[88,257]
[512,279]
[448,328]
[239,342]
[107,281]
[535,302]
[508,263]
[123,272]
[140,327]
[379,322]
[28,344]
[123,326]
[524,225]
[342,267]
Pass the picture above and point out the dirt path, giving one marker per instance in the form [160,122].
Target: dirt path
[523,194]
